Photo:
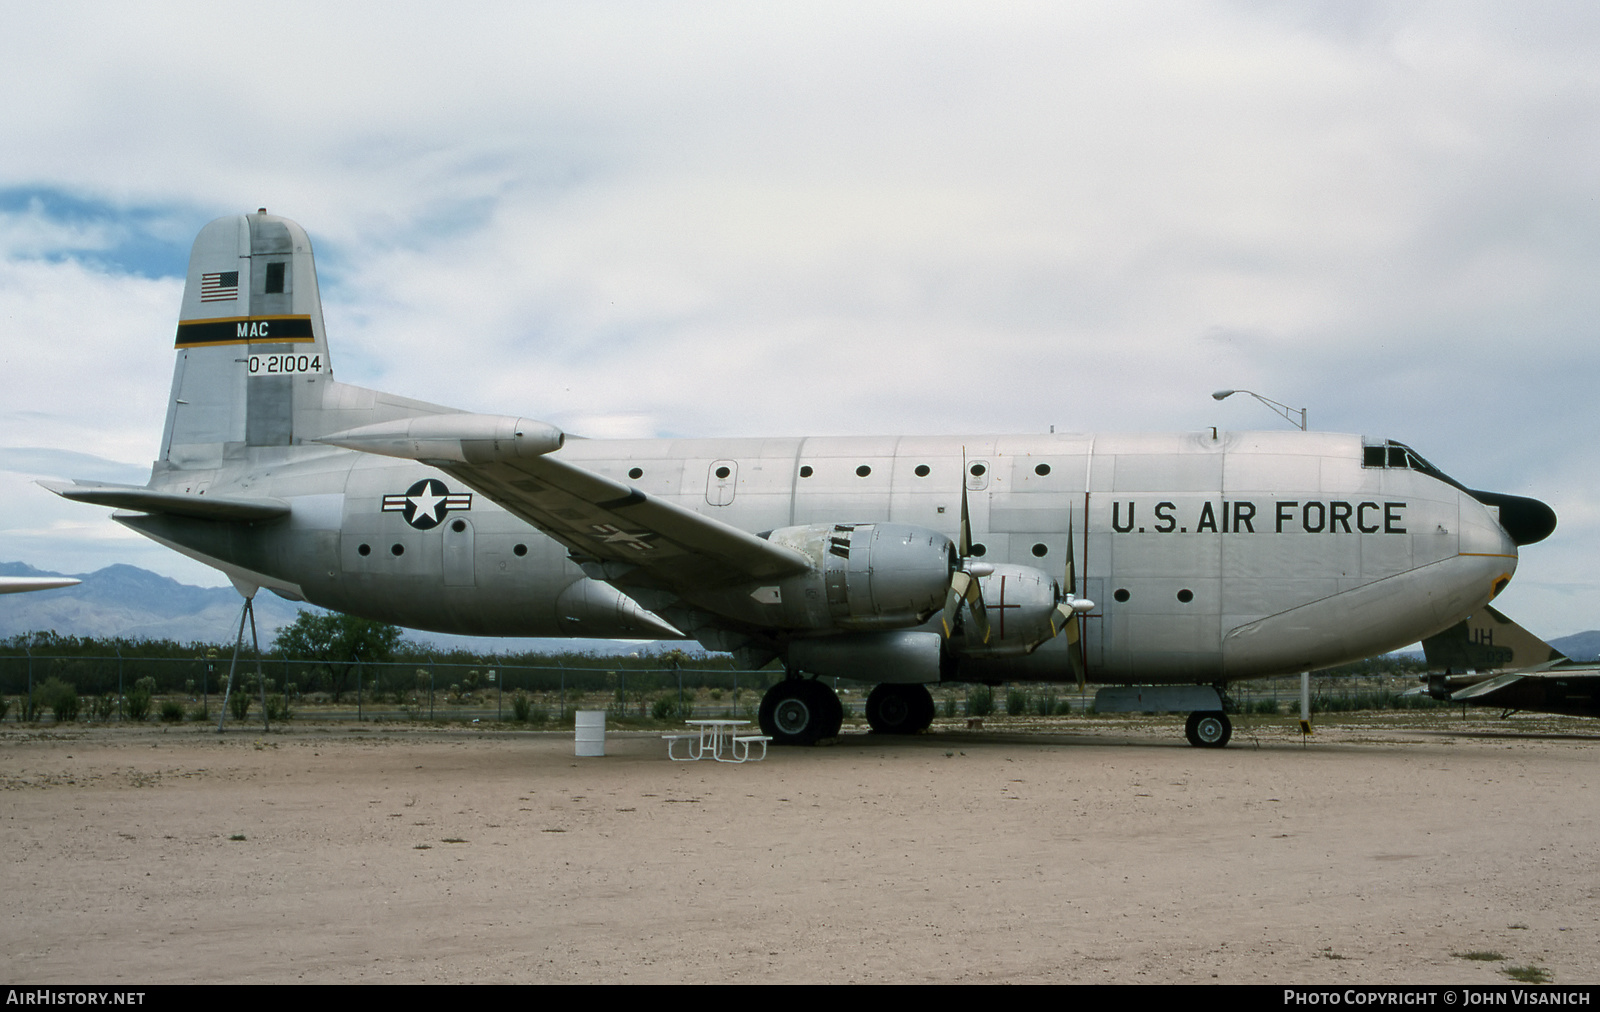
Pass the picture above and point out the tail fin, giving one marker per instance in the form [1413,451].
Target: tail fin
[1487,641]
[251,344]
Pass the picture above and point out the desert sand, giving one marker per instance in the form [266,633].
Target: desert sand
[1102,851]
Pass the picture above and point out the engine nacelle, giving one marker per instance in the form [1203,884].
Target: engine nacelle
[863,577]
[1020,601]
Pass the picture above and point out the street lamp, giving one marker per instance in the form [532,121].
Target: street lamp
[1282,409]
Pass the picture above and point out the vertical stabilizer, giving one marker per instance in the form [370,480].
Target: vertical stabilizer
[250,342]
[1487,641]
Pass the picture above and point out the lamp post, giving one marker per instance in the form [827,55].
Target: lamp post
[1288,413]
[1283,410]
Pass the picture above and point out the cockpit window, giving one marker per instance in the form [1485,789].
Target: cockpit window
[1395,455]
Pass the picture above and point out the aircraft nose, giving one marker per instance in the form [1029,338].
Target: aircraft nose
[1526,521]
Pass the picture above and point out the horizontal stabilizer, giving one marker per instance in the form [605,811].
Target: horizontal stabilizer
[177,504]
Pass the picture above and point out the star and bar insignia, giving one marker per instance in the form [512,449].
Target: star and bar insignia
[425,503]
[612,535]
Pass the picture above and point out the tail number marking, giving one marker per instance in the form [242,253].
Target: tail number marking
[283,364]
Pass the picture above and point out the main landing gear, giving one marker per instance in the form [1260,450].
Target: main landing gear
[803,711]
[899,709]
[1208,729]
[800,711]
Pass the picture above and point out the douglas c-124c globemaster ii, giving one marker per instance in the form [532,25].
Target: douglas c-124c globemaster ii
[1171,563]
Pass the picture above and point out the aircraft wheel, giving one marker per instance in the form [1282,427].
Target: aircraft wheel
[1208,729]
[923,706]
[833,712]
[796,711]
[899,709]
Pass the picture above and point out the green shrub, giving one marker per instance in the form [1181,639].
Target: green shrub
[103,706]
[239,705]
[171,711]
[952,705]
[56,696]
[1016,702]
[664,708]
[199,714]
[980,701]
[278,707]
[137,705]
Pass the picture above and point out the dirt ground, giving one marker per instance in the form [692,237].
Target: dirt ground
[1109,851]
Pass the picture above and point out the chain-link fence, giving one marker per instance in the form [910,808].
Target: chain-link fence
[414,689]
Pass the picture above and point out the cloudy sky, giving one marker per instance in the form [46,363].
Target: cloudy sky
[818,218]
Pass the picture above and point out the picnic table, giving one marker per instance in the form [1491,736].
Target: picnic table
[717,739]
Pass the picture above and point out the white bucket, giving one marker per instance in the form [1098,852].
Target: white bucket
[589,737]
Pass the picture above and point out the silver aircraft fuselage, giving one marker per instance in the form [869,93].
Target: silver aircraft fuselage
[1210,555]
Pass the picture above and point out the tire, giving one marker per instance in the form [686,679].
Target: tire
[1208,729]
[833,711]
[899,709]
[796,711]
[923,707]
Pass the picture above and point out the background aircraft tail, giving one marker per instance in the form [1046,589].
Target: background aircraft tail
[1487,641]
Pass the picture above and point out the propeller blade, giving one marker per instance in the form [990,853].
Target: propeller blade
[964,543]
[980,614]
[1071,586]
[1075,644]
[959,579]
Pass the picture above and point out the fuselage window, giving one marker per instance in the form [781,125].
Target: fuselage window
[1040,551]
[1042,470]
[922,470]
[636,473]
[805,470]
[274,279]
[977,470]
[863,471]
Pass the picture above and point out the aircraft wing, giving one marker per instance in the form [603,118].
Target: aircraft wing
[636,539]
[1573,690]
